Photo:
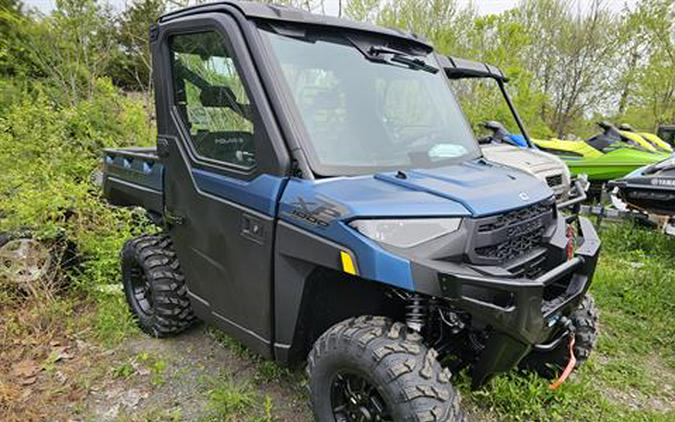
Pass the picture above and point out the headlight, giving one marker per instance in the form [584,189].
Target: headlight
[406,233]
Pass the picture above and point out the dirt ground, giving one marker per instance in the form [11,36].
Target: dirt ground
[189,360]
[149,379]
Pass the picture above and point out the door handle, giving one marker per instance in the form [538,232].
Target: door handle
[252,228]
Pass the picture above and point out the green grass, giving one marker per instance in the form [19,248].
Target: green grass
[270,371]
[231,398]
[630,376]
[113,322]
[123,370]
[155,365]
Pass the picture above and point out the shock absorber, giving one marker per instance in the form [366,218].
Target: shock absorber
[416,312]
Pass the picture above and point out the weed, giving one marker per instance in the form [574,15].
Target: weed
[113,322]
[124,370]
[228,400]
[270,371]
[49,364]
[157,372]
[268,408]
[155,366]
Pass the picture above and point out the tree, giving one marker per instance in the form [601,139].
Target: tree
[649,86]
[11,17]
[131,67]
[70,49]
[502,40]
[362,10]
[573,57]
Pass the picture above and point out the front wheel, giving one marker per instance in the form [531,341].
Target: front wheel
[373,369]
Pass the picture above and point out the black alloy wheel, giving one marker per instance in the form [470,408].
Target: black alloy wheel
[354,398]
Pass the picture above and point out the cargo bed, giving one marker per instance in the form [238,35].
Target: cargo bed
[134,177]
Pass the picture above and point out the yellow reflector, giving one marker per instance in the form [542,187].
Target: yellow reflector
[347,263]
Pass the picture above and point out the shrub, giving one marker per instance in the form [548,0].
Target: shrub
[48,154]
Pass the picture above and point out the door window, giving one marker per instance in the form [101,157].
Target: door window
[211,99]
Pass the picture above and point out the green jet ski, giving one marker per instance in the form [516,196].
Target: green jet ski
[653,140]
[606,156]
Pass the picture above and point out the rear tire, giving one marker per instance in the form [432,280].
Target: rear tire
[370,366]
[154,286]
[585,322]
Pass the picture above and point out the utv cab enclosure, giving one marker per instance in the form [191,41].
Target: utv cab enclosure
[323,199]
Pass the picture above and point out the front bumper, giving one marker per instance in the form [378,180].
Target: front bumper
[519,307]
[521,314]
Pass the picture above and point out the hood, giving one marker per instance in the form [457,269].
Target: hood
[524,159]
[478,189]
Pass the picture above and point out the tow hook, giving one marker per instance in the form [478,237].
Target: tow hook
[567,323]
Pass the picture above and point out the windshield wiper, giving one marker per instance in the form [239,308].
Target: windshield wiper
[401,58]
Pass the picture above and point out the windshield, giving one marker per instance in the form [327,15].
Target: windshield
[363,115]
[483,102]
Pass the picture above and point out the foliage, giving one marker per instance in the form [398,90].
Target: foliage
[131,65]
[48,157]
[229,398]
[58,113]
[10,18]
[69,51]
[649,86]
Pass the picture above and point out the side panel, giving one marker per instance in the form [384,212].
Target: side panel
[133,177]
[305,205]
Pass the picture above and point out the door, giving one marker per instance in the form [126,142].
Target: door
[223,176]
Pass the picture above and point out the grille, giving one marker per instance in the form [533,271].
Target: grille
[532,268]
[516,216]
[554,180]
[512,248]
[504,238]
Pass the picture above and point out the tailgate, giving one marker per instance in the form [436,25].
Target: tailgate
[132,177]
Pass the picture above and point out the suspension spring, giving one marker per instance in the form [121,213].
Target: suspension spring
[416,312]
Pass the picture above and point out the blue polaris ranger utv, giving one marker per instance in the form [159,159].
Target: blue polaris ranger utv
[324,200]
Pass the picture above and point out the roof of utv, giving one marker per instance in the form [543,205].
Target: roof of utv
[272,12]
